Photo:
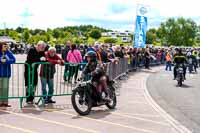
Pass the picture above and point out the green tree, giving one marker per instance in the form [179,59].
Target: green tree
[95,34]
[19,30]
[178,32]
[26,35]
[13,34]
[1,32]
[151,36]
[56,33]
[110,40]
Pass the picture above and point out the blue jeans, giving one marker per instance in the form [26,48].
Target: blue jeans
[50,83]
[168,65]
[133,63]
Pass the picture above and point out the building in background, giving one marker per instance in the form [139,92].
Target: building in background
[125,36]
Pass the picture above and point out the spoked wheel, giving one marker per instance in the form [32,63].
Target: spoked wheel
[180,82]
[112,104]
[82,105]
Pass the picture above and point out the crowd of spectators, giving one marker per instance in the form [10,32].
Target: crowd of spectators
[74,55]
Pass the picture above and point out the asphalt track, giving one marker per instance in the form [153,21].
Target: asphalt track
[182,103]
[135,113]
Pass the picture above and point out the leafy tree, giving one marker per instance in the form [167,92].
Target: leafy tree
[1,32]
[95,34]
[19,30]
[151,36]
[110,40]
[56,33]
[13,34]
[26,35]
[178,32]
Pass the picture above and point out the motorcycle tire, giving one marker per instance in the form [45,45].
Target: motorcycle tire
[180,82]
[75,106]
[113,103]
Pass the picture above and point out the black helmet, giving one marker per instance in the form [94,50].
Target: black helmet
[179,50]
[91,54]
[176,49]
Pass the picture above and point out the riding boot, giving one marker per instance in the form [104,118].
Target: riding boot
[107,96]
[99,96]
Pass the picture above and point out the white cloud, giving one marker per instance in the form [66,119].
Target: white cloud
[55,13]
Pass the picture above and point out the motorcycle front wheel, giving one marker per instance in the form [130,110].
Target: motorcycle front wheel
[112,104]
[180,81]
[82,103]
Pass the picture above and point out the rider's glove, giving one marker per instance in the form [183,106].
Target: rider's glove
[42,59]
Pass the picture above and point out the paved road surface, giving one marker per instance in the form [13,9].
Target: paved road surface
[134,114]
[181,102]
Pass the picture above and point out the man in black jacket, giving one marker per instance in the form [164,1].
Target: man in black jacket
[179,59]
[64,57]
[35,54]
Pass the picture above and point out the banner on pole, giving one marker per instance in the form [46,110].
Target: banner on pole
[140,27]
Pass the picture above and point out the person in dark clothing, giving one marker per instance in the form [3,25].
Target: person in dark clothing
[47,72]
[133,59]
[91,57]
[179,59]
[64,57]
[139,58]
[147,58]
[192,60]
[35,54]
[97,74]
[119,53]
[82,50]
[104,55]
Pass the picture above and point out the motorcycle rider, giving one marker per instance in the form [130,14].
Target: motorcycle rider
[97,73]
[179,58]
[192,60]
[195,54]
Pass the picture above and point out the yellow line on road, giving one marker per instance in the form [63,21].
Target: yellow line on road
[17,128]
[101,121]
[139,103]
[142,115]
[105,122]
[51,121]
[141,119]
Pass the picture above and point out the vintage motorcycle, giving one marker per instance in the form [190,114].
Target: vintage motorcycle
[180,75]
[84,97]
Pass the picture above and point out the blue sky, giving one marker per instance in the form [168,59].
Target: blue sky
[110,14]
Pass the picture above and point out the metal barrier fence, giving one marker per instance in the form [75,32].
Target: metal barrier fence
[117,69]
[60,79]
[14,87]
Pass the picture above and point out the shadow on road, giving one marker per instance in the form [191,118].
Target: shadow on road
[184,86]
[3,113]
[147,71]
[37,110]
[96,114]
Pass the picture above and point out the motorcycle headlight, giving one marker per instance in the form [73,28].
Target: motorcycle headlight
[83,84]
[180,69]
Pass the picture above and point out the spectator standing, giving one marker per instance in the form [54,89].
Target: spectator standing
[47,72]
[64,57]
[35,54]
[104,53]
[168,59]
[6,58]
[147,58]
[74,57]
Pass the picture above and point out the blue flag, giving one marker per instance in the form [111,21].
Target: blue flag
[140,32]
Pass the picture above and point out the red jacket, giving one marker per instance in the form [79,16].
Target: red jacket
[48,70]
